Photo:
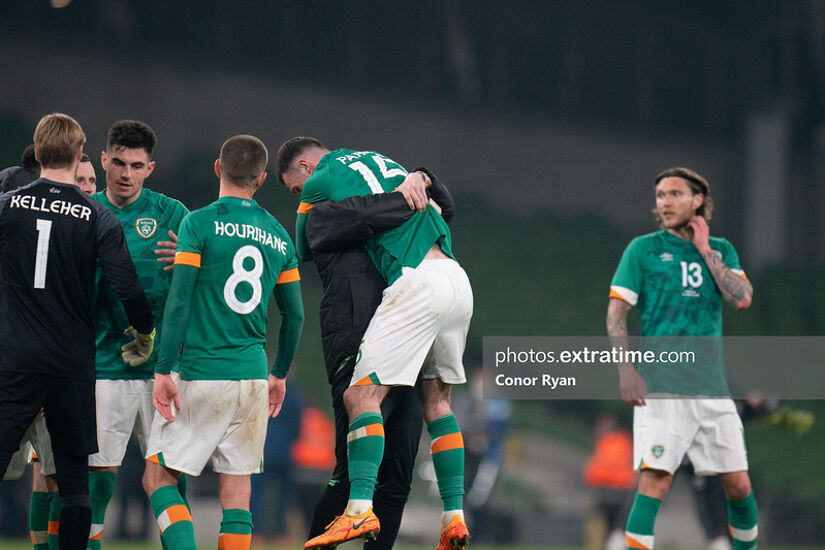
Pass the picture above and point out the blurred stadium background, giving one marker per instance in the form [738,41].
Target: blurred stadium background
[547,119]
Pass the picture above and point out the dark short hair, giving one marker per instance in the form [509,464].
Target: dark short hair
[697,185]
[243,158]
[131,134]
[28,160]
[291,149]
[85,158]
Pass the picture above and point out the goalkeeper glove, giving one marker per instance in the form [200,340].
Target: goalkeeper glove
[138,350]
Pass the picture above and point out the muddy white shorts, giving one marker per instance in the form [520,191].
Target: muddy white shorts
[19,460]
[124,407]
[709,431]
[36,444]
[420,325]
[221,421]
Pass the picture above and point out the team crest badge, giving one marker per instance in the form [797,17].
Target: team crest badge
[657,450]
[146,227]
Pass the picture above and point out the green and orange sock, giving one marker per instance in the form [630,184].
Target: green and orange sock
[447,450]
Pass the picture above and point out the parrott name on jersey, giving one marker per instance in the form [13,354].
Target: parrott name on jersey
[353,155]
[252,232]
[56,206]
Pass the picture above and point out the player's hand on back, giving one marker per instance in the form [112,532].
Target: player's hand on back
[414,189]
[164,394]
[631,385]
[167,251]
[277,393]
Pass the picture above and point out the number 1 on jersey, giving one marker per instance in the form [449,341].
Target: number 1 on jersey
[41,258]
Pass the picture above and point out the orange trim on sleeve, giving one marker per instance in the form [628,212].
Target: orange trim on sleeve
[188,258]
[54,527]
[288,276]
[614,294]
[304,207]
[447,442]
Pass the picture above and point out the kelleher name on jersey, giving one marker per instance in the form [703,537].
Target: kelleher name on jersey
[246,231]
[57,206]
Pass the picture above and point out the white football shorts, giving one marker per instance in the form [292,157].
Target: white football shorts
[709,431]
[36,440]
[420,325]
[221,421]
[124,407]
[19,460]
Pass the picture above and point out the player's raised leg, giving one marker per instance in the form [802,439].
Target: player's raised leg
[447,449]
[365,450]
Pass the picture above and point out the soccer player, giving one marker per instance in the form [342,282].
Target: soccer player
[336,233]
[678,277]
[124,389]
[44,508]
[85,176]
[232,255]
[18,176]
[51,238]
[419,327]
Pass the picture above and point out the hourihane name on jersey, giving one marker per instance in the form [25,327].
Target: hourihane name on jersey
[252,232]
[56,206]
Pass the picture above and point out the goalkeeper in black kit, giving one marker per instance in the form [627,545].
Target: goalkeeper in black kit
[51,238]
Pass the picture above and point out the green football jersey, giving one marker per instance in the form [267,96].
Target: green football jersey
[145,222]
[242,252]
[345,173]
[667,278]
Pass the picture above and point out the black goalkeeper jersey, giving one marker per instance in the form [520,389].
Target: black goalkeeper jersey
[51,238]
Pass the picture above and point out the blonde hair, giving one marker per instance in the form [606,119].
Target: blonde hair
[57,138]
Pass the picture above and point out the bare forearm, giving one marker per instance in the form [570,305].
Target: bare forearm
[617,323]
[735,289]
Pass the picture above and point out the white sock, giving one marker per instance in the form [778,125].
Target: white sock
[356,507]
[447,515]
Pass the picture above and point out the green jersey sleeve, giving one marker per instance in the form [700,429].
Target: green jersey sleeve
[628,279]
[730,257]
[188,239]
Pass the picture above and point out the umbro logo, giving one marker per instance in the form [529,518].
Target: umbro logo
[666,257]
